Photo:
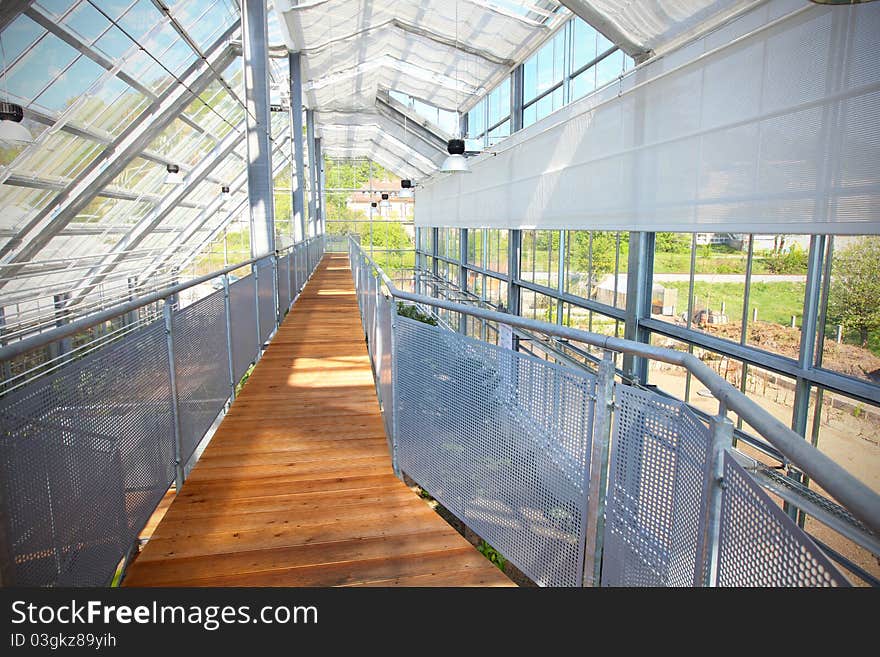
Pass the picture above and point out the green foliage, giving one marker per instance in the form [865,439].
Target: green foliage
[492,555]
[793,261]
[603,251]
[673,242]
[244,379]
[854,301]
[413,312]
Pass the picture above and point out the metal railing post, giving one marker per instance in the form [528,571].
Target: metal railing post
[256,269]
[276,290]
[290,293]
[722,438]
[228,312]
[179,475]
[597,484]
[392,308]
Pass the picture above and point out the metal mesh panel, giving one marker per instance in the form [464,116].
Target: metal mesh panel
[266,293]
[202,367]
[86,453]
[760,545]
[656,492]
[383,358]
[513,466]
[284,295]
[243,314]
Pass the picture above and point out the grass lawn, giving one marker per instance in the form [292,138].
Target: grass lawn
[776,302]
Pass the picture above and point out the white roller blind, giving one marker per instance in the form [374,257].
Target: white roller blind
[769,124]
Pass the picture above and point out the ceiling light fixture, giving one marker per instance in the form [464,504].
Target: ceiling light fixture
[173,177]
[455,162]
[11,128]
[386,203]
[406,189]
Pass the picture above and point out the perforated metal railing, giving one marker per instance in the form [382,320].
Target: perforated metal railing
[578,479]
[88,450]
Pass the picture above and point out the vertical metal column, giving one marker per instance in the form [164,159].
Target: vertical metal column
[516,99]
[567,49]
[256,269]
[296,128]
[514,246]
[228,313]
[290,293]
[722,438]
[462,274]
[321,226]
[638,299]
[597,477]
[7,366]
[256,90]
[435,234]
[179,475]
[807,351]
[313,179]
[560,287]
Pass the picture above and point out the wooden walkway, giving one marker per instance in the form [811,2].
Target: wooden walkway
[296,488]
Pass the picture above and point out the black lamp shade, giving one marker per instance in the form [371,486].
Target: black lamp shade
[406,184]
[455,146]
[11,112]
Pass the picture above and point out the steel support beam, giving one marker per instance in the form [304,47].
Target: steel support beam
[313,182]
[10,10]
[516,99]
[145,226]
[50,221]
[193,253]
[49,23]
[296,131]
[320,219]
[255,39]
[415,124]
[638,299]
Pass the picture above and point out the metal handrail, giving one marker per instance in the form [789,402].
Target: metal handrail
[20,347]
[857,497]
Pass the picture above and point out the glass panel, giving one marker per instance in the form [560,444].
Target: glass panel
[540,257]
[70,85]
[776,293]
[18,35]
[475,246]
[596,265]
[477,120]
[852,320]
[609,68]
[535,305]
[583,43]
[499,133]
[499,102]
[61,155]
[45,61]
[496,250]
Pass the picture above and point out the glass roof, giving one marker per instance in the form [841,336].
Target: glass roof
[94,75]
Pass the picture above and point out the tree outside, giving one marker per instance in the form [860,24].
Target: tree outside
[854,299]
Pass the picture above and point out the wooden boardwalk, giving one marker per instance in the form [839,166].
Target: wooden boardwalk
[296,487]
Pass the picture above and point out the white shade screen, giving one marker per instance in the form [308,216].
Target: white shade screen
[768,124]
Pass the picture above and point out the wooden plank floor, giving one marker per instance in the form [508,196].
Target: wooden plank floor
[296,487]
